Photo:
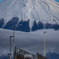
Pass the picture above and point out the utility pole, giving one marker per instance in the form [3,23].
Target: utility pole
[8,55]
[14,38]
[44,44]
[10,46]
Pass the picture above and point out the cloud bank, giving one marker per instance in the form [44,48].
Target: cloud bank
[32,42]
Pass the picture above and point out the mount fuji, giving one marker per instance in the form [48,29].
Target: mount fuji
[29,15]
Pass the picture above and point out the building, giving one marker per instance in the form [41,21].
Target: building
[21,54]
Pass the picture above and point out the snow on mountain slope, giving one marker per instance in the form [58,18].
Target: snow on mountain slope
[46,11]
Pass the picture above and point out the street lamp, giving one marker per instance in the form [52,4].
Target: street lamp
[14,37]
[10,46]
[8,55]
[44,44]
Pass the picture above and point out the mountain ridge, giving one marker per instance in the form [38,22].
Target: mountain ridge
[24,25]
[45,11]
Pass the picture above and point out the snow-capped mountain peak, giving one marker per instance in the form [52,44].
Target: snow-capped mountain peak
[46,11]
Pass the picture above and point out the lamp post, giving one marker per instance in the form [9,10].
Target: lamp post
[8,55]
[14,38]
[44,44]
[10,46]
[14,35]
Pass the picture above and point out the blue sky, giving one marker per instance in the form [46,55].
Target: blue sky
[57,0]
[1,0]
